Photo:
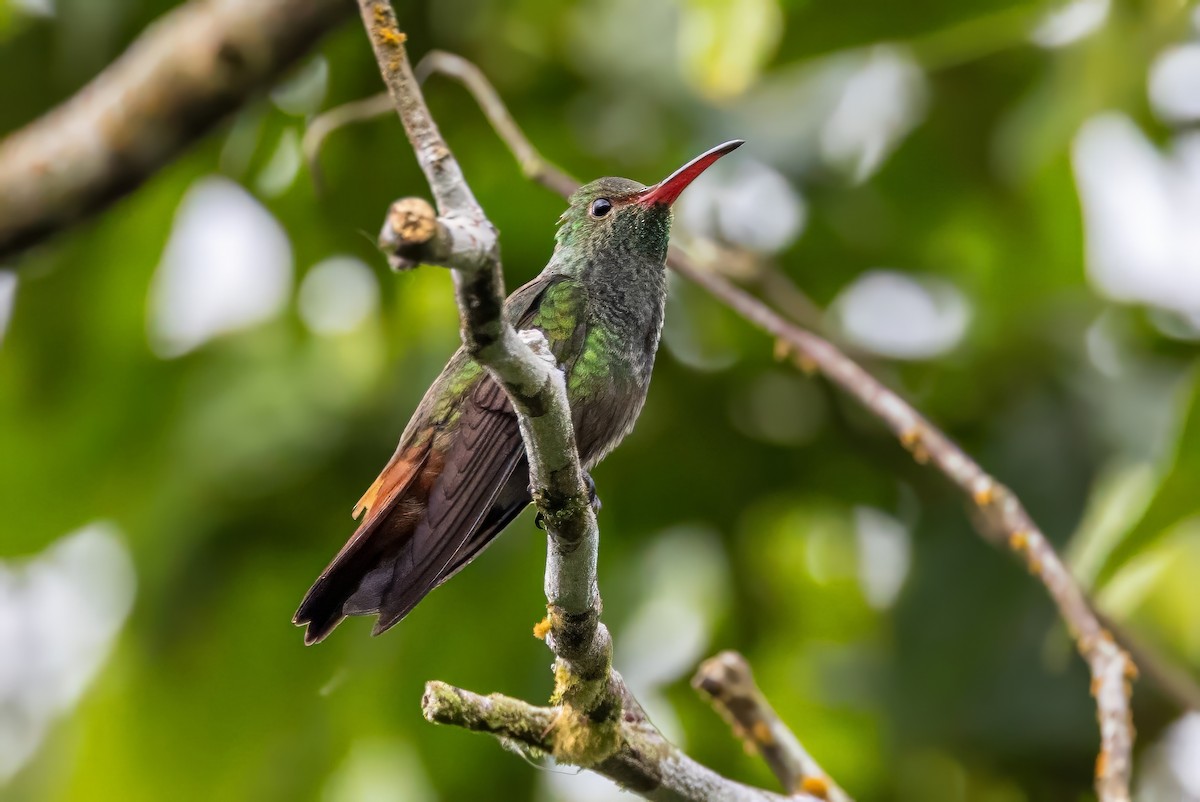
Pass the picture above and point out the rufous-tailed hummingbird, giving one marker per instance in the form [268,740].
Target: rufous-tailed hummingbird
[459,475]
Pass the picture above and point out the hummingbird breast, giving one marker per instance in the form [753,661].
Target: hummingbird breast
[608,382]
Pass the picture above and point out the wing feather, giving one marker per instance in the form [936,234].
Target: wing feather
[429,513]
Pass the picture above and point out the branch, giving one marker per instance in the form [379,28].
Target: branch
[644,763]
[729,684]
[462,238]
[326,123]
[1000,518]
[185,73]
[595,723]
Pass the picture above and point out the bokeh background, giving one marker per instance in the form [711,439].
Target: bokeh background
[997,205]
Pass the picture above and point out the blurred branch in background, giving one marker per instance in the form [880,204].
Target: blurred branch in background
[177,81]
[728,682]
[998,514]
[595,723]
[330,121]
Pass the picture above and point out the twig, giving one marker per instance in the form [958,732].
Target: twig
[728,682]
[645,763]
[532,164]
[595,723]
[1001,518]
[326,123]
[186,72]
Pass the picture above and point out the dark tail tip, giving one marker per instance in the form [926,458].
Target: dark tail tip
[318,619]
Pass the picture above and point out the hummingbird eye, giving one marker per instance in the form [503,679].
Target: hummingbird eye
[601,207]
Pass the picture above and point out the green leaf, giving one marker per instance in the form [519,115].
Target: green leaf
[1177,497]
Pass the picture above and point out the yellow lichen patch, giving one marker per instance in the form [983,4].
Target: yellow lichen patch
[1131,669]
[911,440]
[392,36]
[807,365]
[1097,682]
[815,785]
[582,742]
[1102,763]
[542,628]
[984,494]
[1035,566]
[782,350]
[564,681]
[762,733]
[1018,541]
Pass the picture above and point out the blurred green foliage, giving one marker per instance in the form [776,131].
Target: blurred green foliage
[229,471]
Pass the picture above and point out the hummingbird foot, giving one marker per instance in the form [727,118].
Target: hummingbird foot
[593,499]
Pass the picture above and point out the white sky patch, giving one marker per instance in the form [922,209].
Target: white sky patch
[59,614]
[901,316]
[1140,209]
[8,297]
[36,8]
[303,93]
[880,103]
[378,770]
[337,295]
[748,204]
[1174,84]
[1170,771]
[227,266]
[1070,23]
[280,171]
[884,555]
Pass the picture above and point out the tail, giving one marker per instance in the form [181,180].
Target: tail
[391,583]
[393,506]
[439,507]
[399,556]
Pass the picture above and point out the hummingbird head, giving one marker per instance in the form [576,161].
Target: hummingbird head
[616,218]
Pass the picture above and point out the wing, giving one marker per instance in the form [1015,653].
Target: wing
[483,484]
[447,491]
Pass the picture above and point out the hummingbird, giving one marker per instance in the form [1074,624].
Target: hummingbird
[459,475]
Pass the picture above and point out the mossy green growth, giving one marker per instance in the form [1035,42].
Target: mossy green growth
[563,513]
[578,737]
[580,741]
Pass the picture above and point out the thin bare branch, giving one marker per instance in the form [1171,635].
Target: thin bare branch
[728,682]
[182,76]
[533,166]
[328,122]
[1004,520]
[1000,518]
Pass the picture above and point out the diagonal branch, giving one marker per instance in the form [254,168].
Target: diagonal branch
[728,682]
[182,76]
[1001,519]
